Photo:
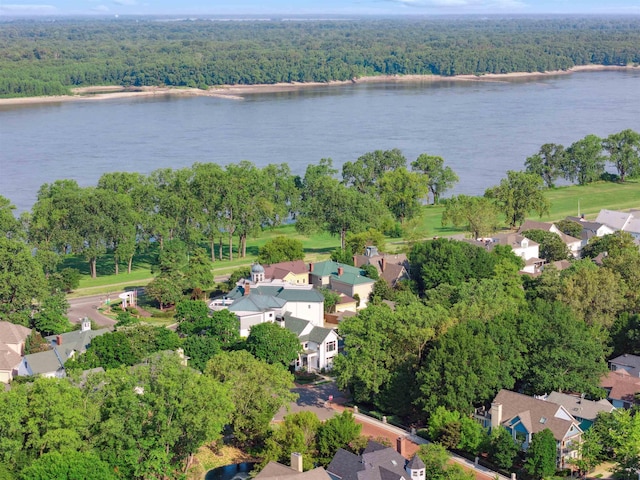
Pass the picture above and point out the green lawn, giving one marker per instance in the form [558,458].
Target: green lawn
[564,202]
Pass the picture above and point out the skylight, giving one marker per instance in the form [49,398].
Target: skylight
[543,420]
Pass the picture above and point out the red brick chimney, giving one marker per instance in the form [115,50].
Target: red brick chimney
[247,288]
[383,264]
[311,267]
[340,271]
[400,447]
[59,340]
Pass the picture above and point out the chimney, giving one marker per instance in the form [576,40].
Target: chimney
[384,264]
[340,271]
[311,267]
[247,288]
[58,340]
[496,415]
[296,462]
[400,445]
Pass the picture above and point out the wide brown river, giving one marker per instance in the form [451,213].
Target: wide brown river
[482,129]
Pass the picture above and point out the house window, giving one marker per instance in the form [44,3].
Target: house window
[414,474]
[331,346]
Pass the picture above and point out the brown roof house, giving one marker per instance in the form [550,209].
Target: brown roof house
[278,471]
[623,381]
[377,462]
[391,267]
[523,416]
[12,339]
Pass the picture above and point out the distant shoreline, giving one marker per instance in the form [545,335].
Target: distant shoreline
[237,92]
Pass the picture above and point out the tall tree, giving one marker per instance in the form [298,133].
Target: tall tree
[331,206]
[624,152]
[518,195]
[273,344]
[584,161]
[541,455]
[281,249]
[21,281]
[478,215]
[258,391]
[364,174]
[152,419]
[10,227]
[403,192]
[547,163]
[552,248]
[439,178]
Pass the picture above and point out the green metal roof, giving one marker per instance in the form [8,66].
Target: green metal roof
[350,275]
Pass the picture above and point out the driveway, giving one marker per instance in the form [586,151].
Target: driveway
[313,398]
[88,307]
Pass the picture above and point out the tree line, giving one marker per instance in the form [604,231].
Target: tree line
[48,58]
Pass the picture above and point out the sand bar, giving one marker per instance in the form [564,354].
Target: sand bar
[237,92]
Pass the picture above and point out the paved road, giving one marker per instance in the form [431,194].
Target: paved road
[88,307]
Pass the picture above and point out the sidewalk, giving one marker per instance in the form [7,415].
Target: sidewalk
[375,428]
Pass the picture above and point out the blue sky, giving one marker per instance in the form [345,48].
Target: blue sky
[315,7]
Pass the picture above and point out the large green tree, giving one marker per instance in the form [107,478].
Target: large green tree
[541,455]
[518,195]
[547,163]
[624,152]
[439,261]
[152,419]
[258,391]
[439,178]
[552,248]
[478,215]
[584,161]
[273,344]
[281,249]
[21,281]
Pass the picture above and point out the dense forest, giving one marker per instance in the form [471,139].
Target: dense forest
[50,57]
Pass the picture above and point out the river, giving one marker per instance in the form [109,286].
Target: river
[481,129]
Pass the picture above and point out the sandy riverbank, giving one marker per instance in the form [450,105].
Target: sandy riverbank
[237,92]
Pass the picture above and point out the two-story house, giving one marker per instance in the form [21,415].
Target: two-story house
[524,416]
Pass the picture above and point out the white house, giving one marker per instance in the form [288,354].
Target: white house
[573,244]
[267,303]
[319,345]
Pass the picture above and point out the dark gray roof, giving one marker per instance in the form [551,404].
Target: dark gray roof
[295,325]
[377,462]
[44,362]
[76,341]
[345,465]
[580,407]
[416,463]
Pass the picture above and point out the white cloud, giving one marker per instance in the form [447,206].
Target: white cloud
[126,3]
[30,9]
[100,9]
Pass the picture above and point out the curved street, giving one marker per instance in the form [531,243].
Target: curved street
[88,307]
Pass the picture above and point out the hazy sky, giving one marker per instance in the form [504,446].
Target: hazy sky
[316,7]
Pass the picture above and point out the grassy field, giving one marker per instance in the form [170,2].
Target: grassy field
[565,201]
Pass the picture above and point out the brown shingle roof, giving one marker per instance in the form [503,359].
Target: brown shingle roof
[535,414]
[282,269]
[9,359]
[622,386]
[277,471]
[12,333]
